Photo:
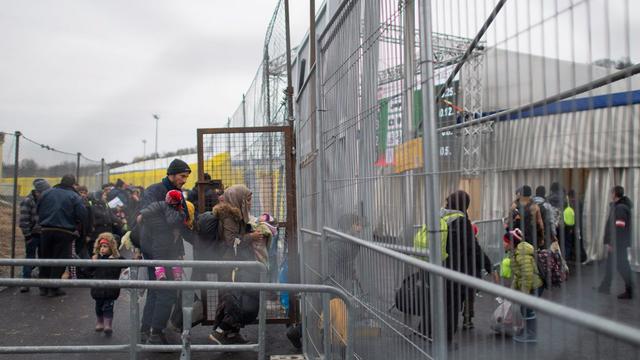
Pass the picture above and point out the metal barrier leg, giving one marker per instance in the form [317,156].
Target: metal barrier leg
[134,312]
[262,321]
[326,312]
[187,310]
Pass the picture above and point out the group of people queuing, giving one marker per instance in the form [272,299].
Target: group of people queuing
[542,234]
[66,221]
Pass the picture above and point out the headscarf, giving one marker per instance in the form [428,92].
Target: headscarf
[236,196]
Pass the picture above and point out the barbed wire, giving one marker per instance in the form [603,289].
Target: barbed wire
[48,147]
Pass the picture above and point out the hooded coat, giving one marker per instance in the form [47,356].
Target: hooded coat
[618,230]
[164,224]
[525,269]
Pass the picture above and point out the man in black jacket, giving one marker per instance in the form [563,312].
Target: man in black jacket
[177,174]
[617,238]
[30,225]
[60,210]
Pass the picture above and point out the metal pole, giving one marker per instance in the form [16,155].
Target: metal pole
[78,168]
[324,250]
[432,180]
[312,33]
[157,119]
[288,56]
[102,168]
[134,313]
[262,320]
[187,310]
[14,212]
[471,47]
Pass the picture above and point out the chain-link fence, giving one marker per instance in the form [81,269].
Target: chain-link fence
[23,161]
[530,108]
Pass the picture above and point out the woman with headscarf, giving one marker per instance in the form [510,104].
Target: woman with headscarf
[236,308]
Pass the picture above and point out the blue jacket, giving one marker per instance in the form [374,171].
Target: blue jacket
[61,207]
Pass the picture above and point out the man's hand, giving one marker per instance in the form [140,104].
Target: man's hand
[496,277]
[609,248]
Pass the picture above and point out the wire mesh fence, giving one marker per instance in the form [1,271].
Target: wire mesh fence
[25,160]
[256,157]
[529,107]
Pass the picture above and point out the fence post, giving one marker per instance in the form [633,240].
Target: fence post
[432,180]
[324,250]
[78,168]
[134,312]
[102,168]
[14,211]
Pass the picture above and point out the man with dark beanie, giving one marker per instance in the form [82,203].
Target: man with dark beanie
[177,174]
[617,238]
[60,209]
[526,216]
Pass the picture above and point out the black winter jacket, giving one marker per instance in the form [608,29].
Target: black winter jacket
[106,273]
[163,226]
[618,229]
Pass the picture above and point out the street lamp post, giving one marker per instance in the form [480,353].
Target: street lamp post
[155,116]
[144,149]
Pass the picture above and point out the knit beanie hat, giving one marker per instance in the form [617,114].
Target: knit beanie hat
[41,185]
[174,197]
[178,166]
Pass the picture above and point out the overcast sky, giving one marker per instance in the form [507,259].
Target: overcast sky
[87,75]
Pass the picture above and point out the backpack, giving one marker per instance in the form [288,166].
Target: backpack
[569,216]
[550,268]
[527,225]
[411,298]
[207,244]
[421,239]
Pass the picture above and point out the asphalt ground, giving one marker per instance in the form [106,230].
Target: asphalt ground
[29,319]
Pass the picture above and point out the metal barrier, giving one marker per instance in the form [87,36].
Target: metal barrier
[376,296]
[134,347]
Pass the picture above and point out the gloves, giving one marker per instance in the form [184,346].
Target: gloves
[160,274]
[177,273]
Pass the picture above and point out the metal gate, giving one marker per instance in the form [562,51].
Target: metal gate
[262,159]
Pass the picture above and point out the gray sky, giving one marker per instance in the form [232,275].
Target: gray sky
[87,75]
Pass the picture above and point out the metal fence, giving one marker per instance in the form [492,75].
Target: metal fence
[23,160]
[260,158]
[407,102]
[186,287]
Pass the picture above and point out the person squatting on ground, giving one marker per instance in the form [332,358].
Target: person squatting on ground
[525,279]
[30,225]
[105,248]
[60,210]
[617,238]
[164,222]
[236,308]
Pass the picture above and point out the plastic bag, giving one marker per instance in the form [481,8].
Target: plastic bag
[507,319]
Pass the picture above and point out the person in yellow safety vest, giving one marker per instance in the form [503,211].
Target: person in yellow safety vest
[421,239]
[457,246]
